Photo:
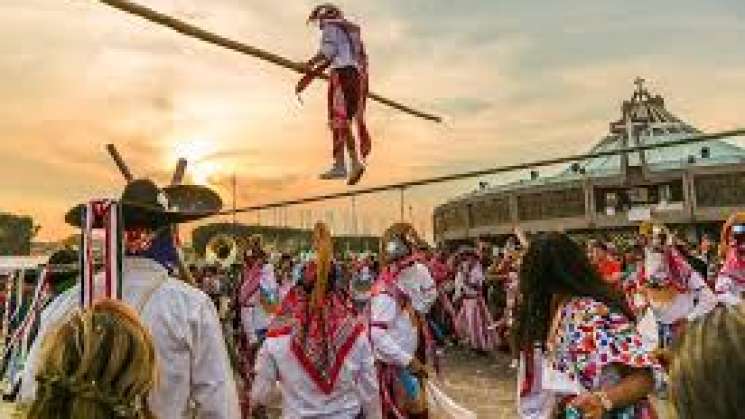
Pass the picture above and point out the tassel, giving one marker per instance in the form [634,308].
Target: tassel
[110,216]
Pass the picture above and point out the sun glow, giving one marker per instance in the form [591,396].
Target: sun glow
[197,152]
[202,172]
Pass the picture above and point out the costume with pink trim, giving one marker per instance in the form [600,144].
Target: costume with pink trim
[402,297]
[474,322]
[342,52]
[666,272]
[730,284]
[319,354]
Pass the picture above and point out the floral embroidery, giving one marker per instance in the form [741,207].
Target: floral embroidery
[589,337]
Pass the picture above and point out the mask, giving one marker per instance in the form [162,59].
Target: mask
[396,249]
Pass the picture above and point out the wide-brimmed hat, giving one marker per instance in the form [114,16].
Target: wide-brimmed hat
[146,205]
[325,11]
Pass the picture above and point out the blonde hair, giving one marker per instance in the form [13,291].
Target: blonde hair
[706,375]
[324,247]
[99,364]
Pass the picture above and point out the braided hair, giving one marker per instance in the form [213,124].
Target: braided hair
[556,265]
[99,364]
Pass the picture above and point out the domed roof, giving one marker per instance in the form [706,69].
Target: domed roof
[645,121]
[643,114]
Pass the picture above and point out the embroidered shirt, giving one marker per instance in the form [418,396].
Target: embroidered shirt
[590,337]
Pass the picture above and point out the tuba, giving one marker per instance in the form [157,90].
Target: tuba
[222,250]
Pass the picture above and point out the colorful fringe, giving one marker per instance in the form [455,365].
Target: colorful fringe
[108,214]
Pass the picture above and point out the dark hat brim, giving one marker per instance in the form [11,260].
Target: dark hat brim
[193,198]
[188,203]
[135,215]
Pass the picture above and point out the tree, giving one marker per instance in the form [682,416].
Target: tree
[16,233]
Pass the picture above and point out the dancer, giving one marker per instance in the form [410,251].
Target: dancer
[507,275]
[402,341]
[343,52]
[580,353]
[258,291]
[674,291]
[257,299]
[285,280]
[442,314]
[317,349]
[363,277]
[730,283]
[196,379]
[473,323]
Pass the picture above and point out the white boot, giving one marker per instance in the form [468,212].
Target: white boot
[356,168]
[337,171]
[356,172]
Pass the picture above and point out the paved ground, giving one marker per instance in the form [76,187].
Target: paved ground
[482,383]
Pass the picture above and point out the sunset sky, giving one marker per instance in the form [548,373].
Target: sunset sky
[515,80]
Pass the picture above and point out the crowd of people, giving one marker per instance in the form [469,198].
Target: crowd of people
[596,329]
[590,324]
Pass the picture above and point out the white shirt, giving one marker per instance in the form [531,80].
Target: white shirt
[336,46]
[192,360]
[356,387]
[698,301]
[394,336]
[729,291]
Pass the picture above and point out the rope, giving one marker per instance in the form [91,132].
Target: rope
[201,34]
[477,173]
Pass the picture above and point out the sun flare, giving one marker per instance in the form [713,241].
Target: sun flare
[196,151]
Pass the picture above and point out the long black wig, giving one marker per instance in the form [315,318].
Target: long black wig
[554,264]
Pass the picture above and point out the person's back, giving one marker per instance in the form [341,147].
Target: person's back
[353,391]
[99,364]
[317,349]
[193,364]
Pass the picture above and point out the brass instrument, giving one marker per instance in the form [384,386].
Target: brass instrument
[222,250]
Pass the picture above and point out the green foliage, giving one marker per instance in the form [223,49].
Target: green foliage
[16,233]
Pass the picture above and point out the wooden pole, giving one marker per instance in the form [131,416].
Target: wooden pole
[195,32]
[123,169]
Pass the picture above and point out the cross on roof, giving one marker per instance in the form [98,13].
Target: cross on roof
[639,82]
